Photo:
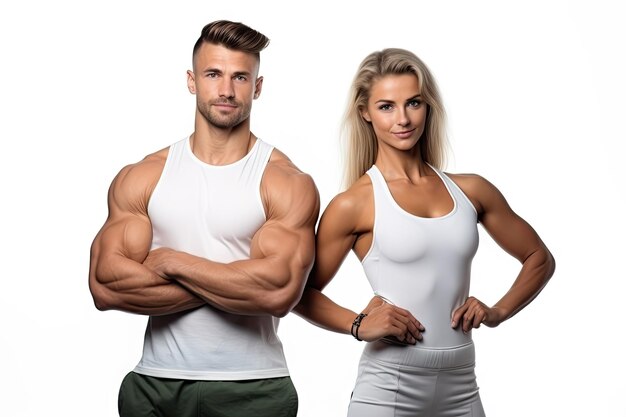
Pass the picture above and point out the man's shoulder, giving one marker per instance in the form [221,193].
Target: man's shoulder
[150,163]
[285,186]
[278,157]
[283,168]
[141,174]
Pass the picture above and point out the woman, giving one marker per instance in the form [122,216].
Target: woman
[414,228]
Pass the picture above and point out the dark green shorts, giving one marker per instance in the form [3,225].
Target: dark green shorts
[142,395]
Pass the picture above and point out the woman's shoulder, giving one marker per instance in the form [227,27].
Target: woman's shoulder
[477,188]
[353,199]
[350,211]
[471,181]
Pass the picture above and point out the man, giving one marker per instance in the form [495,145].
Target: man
[213,238]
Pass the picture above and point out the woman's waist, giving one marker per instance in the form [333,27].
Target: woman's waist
[420,355]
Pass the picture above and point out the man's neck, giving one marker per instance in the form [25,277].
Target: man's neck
[222,146]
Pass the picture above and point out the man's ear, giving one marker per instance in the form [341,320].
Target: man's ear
[191,82]
[258,86]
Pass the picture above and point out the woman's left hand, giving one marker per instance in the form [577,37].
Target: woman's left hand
[473,313]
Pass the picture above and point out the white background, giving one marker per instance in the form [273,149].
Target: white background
[535,93]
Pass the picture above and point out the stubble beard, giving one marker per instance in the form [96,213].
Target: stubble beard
[225,121]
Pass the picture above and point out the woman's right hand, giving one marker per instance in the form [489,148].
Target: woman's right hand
[389,322]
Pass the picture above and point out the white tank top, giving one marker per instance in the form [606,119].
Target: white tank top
[423,264]
[212,212]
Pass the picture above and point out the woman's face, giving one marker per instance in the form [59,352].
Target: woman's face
[396,111]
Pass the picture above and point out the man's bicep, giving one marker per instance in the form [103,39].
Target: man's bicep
[288,234]
[129,236]
[129,229]
[284,244]
[127,232]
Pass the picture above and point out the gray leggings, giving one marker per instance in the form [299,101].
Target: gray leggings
[407,381]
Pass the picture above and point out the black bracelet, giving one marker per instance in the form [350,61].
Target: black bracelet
[354,330]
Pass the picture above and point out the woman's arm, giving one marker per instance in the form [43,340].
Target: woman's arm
[343,221]
[516,237]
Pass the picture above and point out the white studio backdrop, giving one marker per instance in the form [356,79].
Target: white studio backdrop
[535,96]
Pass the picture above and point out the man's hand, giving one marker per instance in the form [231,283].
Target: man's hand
[158,260]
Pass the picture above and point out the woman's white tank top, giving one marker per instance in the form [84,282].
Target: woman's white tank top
[423,264]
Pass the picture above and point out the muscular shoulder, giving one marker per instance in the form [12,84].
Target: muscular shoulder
[289,192]
[478,189]
[133,185]
[352,200]
[352,209]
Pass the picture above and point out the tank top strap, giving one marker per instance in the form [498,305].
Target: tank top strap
[378,181]
[379,185]
[459,196]
[178,149]
[259,157]
[255,163]
[264,150]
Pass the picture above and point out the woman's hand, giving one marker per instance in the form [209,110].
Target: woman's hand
[387,321]
[473,313]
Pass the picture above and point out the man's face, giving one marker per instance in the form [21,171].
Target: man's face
[225,83]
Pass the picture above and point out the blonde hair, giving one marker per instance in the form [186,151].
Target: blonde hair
[361,144]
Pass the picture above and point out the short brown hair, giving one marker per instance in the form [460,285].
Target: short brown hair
[232,35]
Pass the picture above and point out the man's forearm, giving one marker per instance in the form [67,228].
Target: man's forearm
[122,284]
[250,287]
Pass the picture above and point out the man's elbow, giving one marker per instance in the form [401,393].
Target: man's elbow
[280,312]
[101,297]
[101,303]
[281,307]
[282,302]
[551,265]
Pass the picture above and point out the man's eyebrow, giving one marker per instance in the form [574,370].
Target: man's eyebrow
[220,72]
